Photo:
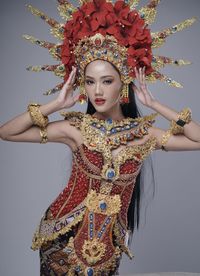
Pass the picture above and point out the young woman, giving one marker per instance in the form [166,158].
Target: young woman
[85,229]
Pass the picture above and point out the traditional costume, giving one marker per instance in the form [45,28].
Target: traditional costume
[84,231]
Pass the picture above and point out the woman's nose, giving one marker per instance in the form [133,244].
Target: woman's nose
[98,90]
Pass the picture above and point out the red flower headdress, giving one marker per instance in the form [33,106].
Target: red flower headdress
[115,32]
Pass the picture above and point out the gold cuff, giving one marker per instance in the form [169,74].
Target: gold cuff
[43,134]
[165,139]
[37,117]
[175,128]
[184,117]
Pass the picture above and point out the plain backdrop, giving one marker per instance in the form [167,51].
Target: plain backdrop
[32,175]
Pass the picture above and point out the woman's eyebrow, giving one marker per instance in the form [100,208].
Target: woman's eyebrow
[103,77]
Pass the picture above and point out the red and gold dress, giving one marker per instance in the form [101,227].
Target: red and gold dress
[84,231]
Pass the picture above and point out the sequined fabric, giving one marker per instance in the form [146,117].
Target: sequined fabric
[84,230]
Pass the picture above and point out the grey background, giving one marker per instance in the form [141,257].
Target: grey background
[32,175]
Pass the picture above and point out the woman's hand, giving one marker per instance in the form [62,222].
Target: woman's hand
[143,94]
[66,99]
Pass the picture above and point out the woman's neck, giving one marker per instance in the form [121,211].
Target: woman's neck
[115,115]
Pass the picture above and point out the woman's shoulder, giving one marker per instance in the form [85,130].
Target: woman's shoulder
[74,118]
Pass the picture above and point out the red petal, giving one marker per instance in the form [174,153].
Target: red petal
[119,5]
[126,22]
[112,29]
[94,25]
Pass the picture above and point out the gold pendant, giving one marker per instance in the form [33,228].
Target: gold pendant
[93,250]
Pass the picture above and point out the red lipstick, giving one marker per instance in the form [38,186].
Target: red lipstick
[99,101]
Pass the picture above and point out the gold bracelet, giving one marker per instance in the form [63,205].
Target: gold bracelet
[184,117]
[37,117]
[43,134]
[175,128]
[165,139]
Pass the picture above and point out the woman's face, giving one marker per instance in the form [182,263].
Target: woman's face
[103,85]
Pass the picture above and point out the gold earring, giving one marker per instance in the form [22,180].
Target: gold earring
[83,95]
[124,94]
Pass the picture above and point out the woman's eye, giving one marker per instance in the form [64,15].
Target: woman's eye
[108,81]
[88,82]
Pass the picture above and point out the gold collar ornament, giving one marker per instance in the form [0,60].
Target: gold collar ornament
[114,32]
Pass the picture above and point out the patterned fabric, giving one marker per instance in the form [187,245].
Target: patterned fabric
[84,231]
[53,259]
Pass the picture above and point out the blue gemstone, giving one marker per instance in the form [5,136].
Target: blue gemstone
[174,29]
[98,54]
[154,59]
[108,220]
[111,174]
[114,130]
[109,121]
[105,51]
[142,15]
[102,128]
[77,269]
[90,271]
[103,206]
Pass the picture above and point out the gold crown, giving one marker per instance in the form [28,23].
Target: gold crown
[87,36]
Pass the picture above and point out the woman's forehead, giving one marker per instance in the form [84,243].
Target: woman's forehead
[100,67]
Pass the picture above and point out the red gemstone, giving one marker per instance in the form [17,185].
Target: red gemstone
[97,42]
[125,100]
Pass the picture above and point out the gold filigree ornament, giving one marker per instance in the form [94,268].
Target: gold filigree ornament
[125,41]
[102,203]
[93,250]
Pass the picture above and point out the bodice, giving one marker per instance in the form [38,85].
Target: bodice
[95,168]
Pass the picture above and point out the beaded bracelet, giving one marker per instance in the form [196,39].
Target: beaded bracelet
[37,117]
[184,117]
[43,134]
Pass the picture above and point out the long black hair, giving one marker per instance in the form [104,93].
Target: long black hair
[131,110]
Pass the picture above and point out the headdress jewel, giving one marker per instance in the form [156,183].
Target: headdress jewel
[115,32]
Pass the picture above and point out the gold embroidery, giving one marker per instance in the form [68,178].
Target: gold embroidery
[120,242]
[103,141]
[69,197]
[93,250]
[39,240]
[103,204]
[105,267]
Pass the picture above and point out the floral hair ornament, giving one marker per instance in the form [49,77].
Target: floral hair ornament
[114,32]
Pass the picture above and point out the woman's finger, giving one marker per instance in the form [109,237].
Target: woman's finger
[143,75]
[136,73]
[135,88]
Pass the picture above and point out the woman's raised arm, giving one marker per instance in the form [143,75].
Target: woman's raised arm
[188,138]
[21,128]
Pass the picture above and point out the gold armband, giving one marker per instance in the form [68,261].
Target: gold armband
[43,134]
[165,139]
[37,117]
[184,117]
